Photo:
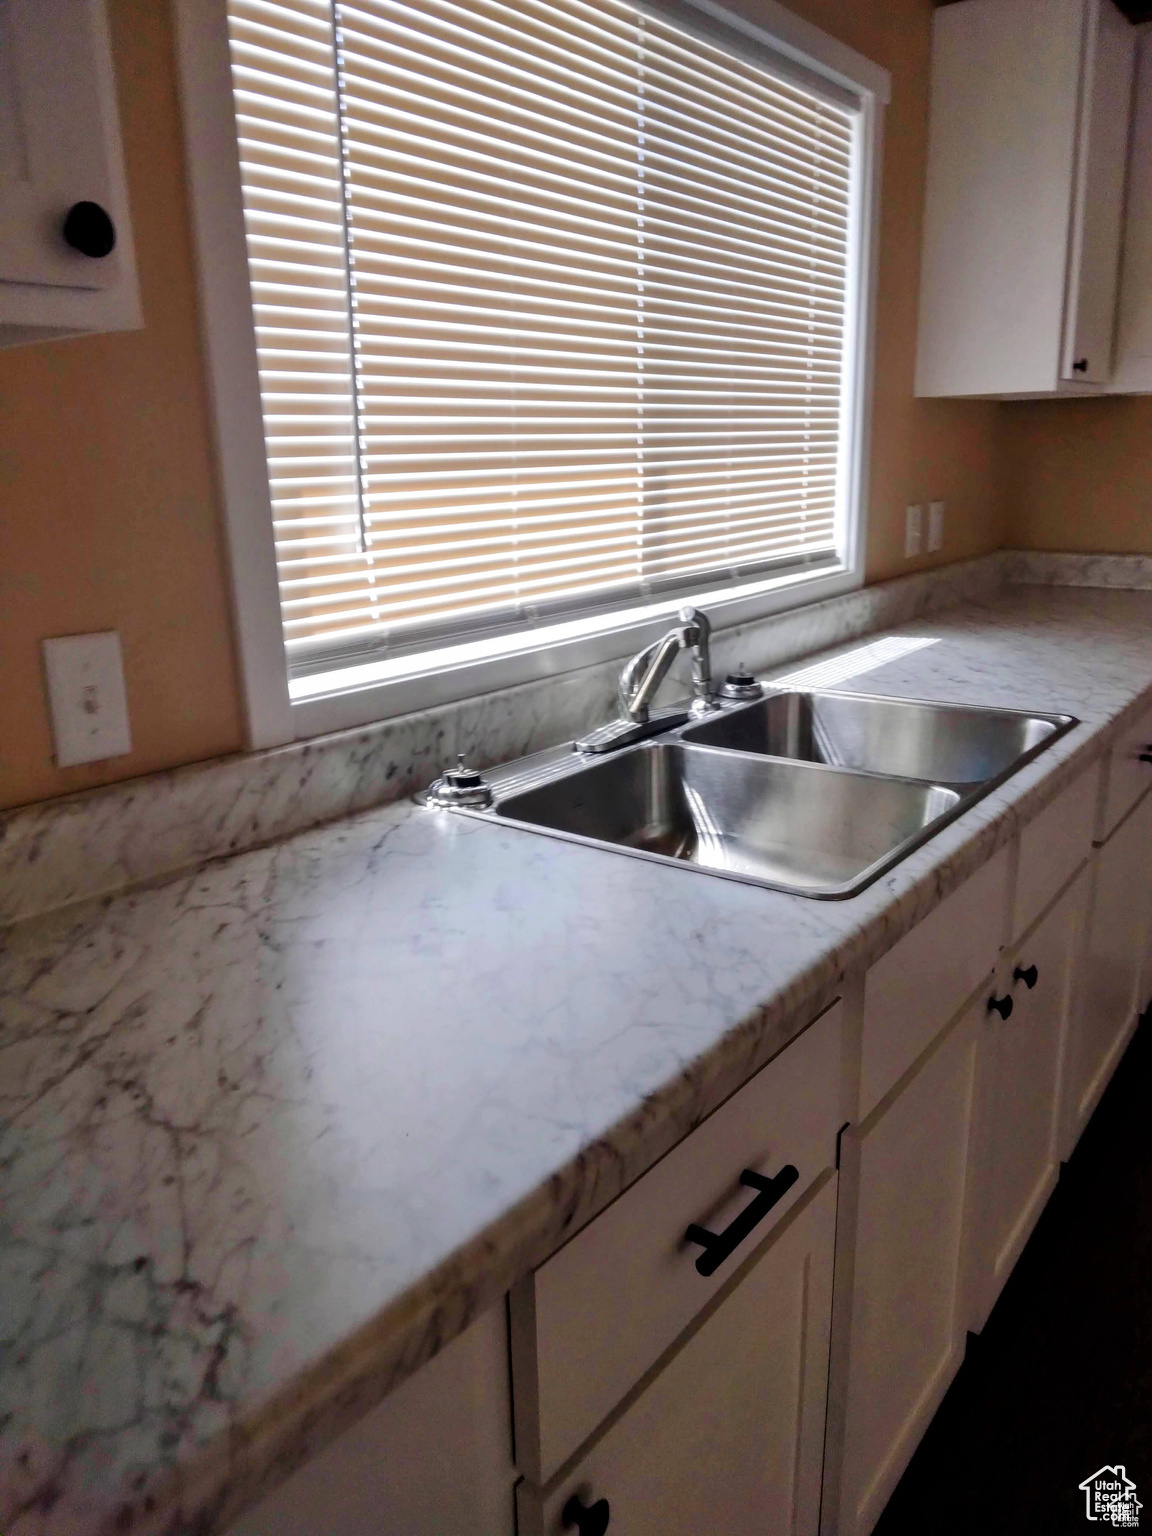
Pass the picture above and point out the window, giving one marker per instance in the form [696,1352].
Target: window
[557,310]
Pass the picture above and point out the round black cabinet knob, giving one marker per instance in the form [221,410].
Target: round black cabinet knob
[1000,1005]
[1080,365]
[588,1519]
[1028,974]
[88,229]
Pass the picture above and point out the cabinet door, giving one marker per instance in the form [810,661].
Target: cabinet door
[1102,151]
[1121,905]
[906,1326]
[1025,1055]
[1133,369]
[434,1458]
[728,1435]
[56,126]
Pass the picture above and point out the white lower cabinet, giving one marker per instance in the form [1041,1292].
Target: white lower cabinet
[434,1458]
[591,1321]
[1110,994]
[900,1298]
[727,1432]
[1022,1066]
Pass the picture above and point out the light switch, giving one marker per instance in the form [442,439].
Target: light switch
[913,531]
[935,525]
[86,697]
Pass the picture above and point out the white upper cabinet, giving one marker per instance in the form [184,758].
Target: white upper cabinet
[1098,209]
[1133,373]
[1024,210]
[66,259]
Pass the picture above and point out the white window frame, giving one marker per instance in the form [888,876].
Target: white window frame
[277,712]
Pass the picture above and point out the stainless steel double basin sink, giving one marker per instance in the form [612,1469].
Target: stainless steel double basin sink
[815,793]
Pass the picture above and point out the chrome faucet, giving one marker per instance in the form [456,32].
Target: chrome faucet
[649,667]
[643,675]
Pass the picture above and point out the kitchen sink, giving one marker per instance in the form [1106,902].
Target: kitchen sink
[954,744]
[797,826]
[814,793]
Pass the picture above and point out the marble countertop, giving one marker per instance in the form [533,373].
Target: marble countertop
[274,1130]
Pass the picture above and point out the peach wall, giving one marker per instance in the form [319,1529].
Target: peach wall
[1080,474]
[922,450]
[108,508]
[110,516]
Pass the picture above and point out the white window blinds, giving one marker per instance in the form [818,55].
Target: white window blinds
[551,305]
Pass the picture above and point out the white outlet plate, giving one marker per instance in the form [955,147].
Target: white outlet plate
[913,531]
[935,525]
[86,698]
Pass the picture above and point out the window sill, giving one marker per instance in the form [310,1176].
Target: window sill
[381,689]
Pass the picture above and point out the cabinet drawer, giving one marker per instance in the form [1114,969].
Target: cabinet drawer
[912,992]
[1053,847]
[589,1322]
[1126,777]
[728,1436]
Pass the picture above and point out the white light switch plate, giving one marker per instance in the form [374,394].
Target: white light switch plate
[913,531]
[86,697]
[935,525]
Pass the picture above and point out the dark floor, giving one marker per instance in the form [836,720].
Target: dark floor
[1060,1381]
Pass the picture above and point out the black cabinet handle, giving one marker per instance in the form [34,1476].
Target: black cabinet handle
[588,1519]
[1000,1005]
[1028,975]
[88,229]
[719,1246]
[1146,755]
[1080,365]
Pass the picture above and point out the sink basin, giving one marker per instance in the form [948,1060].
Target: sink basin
[814,793]
[796,826]
[953,744]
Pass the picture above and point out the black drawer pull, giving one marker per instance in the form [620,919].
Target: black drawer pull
[1029,975]
[1146,755]
[587,1519]
[719,1246]
[1001,1005]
